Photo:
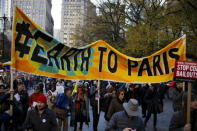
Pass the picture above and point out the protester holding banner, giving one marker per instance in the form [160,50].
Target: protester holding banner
[95,97]
[20,107]
[178,120]
[94,104]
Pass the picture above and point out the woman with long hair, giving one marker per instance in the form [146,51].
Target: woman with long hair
[116,104]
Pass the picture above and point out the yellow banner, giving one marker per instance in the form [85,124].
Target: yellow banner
[35,51]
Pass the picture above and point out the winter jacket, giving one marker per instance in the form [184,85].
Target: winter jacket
[152,100]
[4,102]
[20,107]
[64,102]
[142,93]
[178,122]
[115,106]
[94,96]
[131,94]
[177,98]
[120,120]
[44,122]
[80,111]
[107,100]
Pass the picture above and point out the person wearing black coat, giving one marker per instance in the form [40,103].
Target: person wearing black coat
[142,93]
[40,118]
[131,93]
[152,100]
[4,107]
[20,107]
[94,96]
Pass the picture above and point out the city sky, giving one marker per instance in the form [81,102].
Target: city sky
[56,12]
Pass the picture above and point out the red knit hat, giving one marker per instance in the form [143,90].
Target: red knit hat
[42,98]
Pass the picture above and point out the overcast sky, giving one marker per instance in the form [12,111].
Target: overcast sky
[56,12]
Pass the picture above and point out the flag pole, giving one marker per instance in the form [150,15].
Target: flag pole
[11,69]
[11,90]
[184,84]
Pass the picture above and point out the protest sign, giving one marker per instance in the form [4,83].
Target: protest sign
[35,51]
[185,70]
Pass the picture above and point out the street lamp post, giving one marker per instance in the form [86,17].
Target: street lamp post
[4,18]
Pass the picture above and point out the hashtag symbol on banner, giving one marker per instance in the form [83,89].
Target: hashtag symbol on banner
[22,29]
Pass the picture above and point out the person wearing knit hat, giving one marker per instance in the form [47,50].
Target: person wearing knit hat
[33,97]
[41,102]
[42,99]
[41,118]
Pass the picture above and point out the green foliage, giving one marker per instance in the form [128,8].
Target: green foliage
[140,27]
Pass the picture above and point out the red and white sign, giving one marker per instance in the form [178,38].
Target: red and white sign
[185,70]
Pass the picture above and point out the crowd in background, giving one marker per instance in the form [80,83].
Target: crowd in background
[56,105]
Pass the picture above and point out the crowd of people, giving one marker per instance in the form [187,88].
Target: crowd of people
[57,105]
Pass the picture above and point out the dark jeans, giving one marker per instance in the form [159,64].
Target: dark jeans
[154,118]
[4,119]
[75,126]
[95,117]
[144,109]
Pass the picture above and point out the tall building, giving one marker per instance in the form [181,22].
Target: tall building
[75,14]
[39,11]
[5,6]
[57,34]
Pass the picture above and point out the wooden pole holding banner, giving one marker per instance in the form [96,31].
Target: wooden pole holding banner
[11,69]
[184,86]
[184,83]
[11,90]
[189,103]
[98,86]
